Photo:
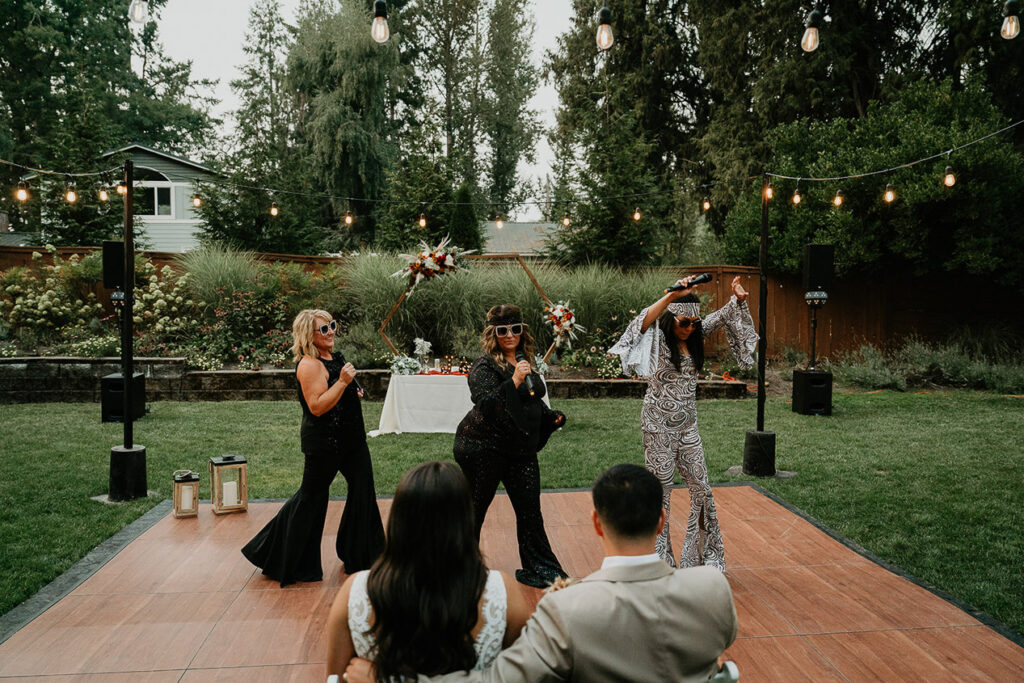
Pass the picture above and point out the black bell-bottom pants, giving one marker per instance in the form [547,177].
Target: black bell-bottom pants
[288,547]
[521,477]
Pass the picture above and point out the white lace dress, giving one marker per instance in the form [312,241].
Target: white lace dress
[487,642]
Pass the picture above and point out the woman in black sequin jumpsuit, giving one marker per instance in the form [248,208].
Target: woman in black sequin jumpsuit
[499,438]
[333,440]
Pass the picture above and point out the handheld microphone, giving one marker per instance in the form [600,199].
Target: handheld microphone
[359,387]
[529,379]
[699,280]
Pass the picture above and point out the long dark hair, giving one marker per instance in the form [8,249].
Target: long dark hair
[426,587]
[694,343]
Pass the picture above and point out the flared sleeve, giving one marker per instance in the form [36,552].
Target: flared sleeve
[739,330]
[638,350]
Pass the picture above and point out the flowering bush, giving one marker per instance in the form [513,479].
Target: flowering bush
[593,353]
[429,263]
[162,304]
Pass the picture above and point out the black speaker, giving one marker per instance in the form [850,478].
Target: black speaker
[113,264]
[812,392]
[112,397]
[818,260]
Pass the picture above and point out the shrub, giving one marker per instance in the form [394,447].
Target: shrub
[214,269]
[867,368]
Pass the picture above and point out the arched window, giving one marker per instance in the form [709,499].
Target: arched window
[153,193]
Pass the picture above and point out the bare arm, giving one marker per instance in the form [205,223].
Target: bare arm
[340,649]
[659,306]
[517,612]
[313,379]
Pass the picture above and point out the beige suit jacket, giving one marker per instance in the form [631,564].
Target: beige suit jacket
[647,622]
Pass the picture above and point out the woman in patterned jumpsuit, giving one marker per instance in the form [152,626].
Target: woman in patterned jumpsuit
[664,345]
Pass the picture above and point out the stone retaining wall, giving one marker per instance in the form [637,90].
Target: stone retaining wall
[63,379]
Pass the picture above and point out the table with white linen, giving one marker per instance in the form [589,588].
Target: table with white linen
[426,404]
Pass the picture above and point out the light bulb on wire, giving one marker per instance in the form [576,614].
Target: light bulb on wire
[197,201]
[565,219]
[797,196]
[379,28]
[706,203]
[769,192]
[69,190]
[137,11]
[948,177]
[837,201]
[605,37]
[349,218]
[810,41]
[21,194]
[890,194]
[498,223]
[104,196]
[636,214]
[121,187]
[273,209]
[423,220]
[1011,22]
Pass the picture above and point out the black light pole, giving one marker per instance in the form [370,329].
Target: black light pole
[128,461]
[759,448]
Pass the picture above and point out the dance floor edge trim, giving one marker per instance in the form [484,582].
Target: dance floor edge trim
[24,613]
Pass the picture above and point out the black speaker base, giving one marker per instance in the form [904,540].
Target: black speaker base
[127,472]
[759,454]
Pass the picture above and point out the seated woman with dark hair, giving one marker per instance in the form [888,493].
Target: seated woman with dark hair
[428,605]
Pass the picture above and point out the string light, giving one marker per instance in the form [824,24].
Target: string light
[69,190]
[498,223]
[948,177]
[103,194]
[349,218]
[137,11]
[121,187]
[890,194]
[197,201]
[565,219]
[605,37]
[809,43]
[1011,23]
[423,220]
[838,199]
[769,192]
[21,194]
[797,197]
[273,208]
[706,203]
[636,214]
[379,28]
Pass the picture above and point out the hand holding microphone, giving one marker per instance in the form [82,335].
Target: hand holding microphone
[521,358]
[693,282]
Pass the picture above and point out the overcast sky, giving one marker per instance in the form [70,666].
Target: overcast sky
[211,32]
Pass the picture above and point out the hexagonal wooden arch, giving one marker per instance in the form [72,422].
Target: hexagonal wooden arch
[517,257]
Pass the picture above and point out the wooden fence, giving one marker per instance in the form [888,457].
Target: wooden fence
[881,311]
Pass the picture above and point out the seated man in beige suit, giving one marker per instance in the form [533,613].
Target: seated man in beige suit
[635,619]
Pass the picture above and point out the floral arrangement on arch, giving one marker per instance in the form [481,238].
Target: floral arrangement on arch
[563,323]
[429,263]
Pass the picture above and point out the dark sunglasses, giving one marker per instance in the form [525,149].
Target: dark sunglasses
[685,322]
[328,327]
[506,330]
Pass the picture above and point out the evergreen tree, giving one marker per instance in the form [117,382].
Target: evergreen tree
[464,225]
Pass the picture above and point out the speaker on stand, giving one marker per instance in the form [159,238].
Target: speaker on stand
[812,388]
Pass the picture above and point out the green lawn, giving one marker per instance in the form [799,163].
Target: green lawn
[931,482]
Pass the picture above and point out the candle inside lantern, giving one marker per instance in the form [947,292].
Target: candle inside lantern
[230,493]
[186,497]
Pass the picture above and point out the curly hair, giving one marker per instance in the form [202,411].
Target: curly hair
[500,315]
[303,330]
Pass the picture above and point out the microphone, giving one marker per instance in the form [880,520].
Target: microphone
[699,280]
[529,379]
[359,387]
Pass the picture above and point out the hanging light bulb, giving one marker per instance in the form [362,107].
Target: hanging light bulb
[565,219]
[838,199]
[273,208]
[379,28]
[769,192]
[137,11]
[890,194]
[197,201]
[69,190]
[498,223]
[706,203]
[605,37]
[121,187]
[349,218]
[423,220]
[21,194]
[103,194]
[948,177]
[636,214]
[797,197]
[809,42]
[1011,23]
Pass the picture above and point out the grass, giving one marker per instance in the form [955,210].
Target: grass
[929,481]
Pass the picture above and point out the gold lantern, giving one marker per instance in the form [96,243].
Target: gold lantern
[229,489]
[186,493]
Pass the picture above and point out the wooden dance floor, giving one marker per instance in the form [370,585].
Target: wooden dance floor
[180,603]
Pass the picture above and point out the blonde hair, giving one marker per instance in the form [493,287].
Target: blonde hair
[303,329]
[489,339]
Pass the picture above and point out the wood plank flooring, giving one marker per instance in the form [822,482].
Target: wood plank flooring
[180,603]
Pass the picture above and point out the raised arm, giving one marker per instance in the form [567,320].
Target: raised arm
[658,307]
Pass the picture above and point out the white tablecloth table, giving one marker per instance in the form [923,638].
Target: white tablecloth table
[426,404]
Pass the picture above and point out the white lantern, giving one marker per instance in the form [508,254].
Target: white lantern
[186,493]
[229,489]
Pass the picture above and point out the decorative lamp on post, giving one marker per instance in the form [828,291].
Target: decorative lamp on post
[186,493]
[229,489]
